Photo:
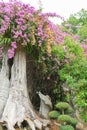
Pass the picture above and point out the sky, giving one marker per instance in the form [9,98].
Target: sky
[61,7]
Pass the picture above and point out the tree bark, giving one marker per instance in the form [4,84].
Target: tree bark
[4,83]
[45,105]
[14,98]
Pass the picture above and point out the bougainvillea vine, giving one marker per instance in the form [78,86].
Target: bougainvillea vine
[22,24]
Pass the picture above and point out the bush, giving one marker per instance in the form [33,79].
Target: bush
[64,118]
[68,119]
[53,114]
[62,105]
[66,127]
[69,110]
[73,121]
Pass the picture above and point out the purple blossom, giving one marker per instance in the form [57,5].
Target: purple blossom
[6,18]
[84,46]
[18,19]
[13,44]
[17,34]
[76,37]
[23,28]
[54,15]
[66,34]
[40,30]
[10,53]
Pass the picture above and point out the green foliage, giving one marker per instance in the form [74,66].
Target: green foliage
[64,118]
[62,106]
[73,48]
[72,61]
[84,115]
[59,52]
[75,75]
[67,119]
[82,16]
[82,32]
[73,121]
[76,21]
[66,127]
[72,70]
[53,114]
[69,110]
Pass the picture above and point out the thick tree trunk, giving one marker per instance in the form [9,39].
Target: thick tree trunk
[15,104]
[4,83]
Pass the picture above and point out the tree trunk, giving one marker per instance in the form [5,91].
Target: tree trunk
[4,83]
[15,103]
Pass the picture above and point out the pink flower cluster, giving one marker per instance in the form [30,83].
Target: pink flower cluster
[11,51]
[66,34]
[76,37]
[24,25]
[84,46]
[55,15]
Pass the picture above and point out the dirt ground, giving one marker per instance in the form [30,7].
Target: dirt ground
[54,125]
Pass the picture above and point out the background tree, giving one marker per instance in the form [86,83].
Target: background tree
[76,26]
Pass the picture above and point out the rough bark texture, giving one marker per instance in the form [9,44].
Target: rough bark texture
[15,103]
[45,105]
[4,83]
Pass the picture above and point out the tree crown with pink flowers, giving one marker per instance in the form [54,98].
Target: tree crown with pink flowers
[22,25]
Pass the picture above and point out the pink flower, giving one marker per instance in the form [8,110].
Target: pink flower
[76,37]
[13,44]
[10,53]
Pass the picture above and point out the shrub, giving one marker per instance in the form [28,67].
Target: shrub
[73,121]
[66,127]
[68,119]
[69,110]
[53,114]
[64,118]
[62,106]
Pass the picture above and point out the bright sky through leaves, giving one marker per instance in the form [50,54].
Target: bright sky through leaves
[61,7]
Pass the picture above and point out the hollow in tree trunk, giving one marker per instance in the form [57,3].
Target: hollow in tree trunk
[15,104]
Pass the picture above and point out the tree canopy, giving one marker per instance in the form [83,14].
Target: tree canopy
[22,25]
